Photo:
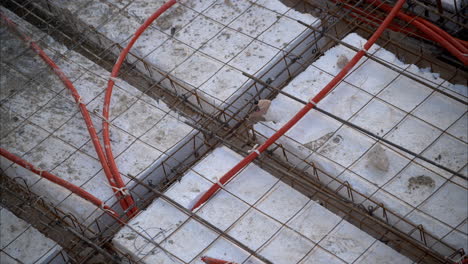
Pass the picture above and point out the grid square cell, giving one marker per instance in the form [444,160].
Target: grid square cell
[449,152]
[378,117]
[223,249]
[286,247]
[440,111]
[314,221]
[379,164]
[199,31]
[187,242]
[223,210]
[413,134]
[197,69]
[254,229]
[346,146]
[382,254]
[282,202]
[347,242]
[226,45]
[441,205]
[320,256]
[255,56]
[414,184]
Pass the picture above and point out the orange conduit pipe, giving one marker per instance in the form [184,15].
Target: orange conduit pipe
[378,21]
[458,43]
[69,186]
[87,118]
[209,260]
[310,105]
[108,95]
[455,46]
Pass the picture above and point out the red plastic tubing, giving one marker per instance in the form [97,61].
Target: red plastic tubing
[82,106]
[108,95]
[312,103]
[456,47]
[73,188]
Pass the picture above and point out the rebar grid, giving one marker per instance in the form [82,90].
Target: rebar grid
[228,116]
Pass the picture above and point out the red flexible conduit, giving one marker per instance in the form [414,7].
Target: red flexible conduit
[108,95]
[313,102]
[456,47]
[84,111]
[71,187]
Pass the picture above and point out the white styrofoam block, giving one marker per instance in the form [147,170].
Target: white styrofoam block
[254,229]
[358,183]
[78,168]
[282,33]
[199,31]
[188,188]
[223,249]
[190,240]
[27,101]
[282,202]
[225,13]
[430,224]
[197,69]
[176,17]
[190,30]
[10,121]
[399,95]
[414,184]
[254,57]
[320,256]
[392,202]
[46,157]
[286,247]
[381,253]
[135,237]
[54,114]
[143,116]
[347,241]
[440,110]
[223,82]
[23,242]
[226,44]
[458,239]
[278,7]
[379,164]
[11,80]
[158,256]
[413,134]
[441,205]
[11,227]
[23,139]
[254,21]
[60,116]
[170,54]
[137,158]
[223,210]
[253,226]
[74,131]
[378,117]
[251,184]
[459,128]
[314,221]
[88,85]
[167,133]
[346,146]
[449,152]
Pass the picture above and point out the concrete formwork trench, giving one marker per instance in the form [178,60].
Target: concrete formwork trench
[323,193]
